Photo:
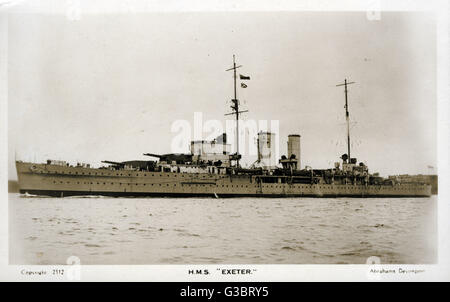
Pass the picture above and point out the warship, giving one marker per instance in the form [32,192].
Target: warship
[211,170]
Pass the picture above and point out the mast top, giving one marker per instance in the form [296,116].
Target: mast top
[345,83]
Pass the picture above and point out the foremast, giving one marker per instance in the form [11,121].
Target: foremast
[235,105]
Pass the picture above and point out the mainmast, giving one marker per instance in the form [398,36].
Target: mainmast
[347,117]
[235,108]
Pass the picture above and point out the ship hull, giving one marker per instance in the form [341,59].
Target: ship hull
[53,193]
[61,181]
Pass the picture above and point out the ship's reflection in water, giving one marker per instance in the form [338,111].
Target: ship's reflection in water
[103,230]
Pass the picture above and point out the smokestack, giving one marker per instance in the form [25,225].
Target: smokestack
[266,149]
[293,147]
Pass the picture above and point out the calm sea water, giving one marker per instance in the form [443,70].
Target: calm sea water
[103,230]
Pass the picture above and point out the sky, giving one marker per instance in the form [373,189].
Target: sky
[110,87]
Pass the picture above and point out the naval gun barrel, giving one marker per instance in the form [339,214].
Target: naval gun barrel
[153,155]
[112,162]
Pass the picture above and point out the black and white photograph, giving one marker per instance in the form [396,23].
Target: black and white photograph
[142,135]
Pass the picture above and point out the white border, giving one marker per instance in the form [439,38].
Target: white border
[438,272]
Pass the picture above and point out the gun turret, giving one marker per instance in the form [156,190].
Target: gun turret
[142,165]
[178,158]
